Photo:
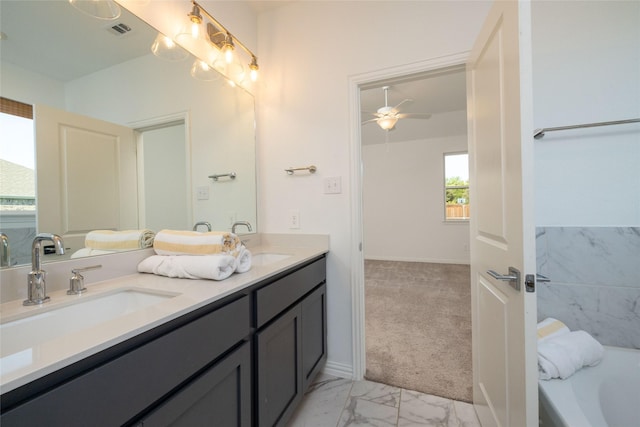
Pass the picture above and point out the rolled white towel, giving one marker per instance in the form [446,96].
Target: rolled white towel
[550,328]
[213,267]
[179,242]
[562,355]
[85,252]
[243,260]
[109,240]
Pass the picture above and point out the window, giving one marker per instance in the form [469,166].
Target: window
[17,186]
[456,186]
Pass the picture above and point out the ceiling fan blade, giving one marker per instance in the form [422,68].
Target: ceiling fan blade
[402,102]
[414,116]
[369,121]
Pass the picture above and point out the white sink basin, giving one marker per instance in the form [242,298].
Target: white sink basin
[82,313]
[267,258]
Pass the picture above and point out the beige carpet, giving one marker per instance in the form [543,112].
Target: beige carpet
[418,327]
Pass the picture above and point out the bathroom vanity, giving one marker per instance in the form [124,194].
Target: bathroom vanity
[239,353]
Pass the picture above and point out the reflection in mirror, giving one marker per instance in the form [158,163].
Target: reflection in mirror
[182,130]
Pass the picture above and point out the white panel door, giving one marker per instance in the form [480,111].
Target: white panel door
[86,175]
[502,226]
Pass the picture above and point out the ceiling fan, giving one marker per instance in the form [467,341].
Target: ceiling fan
[388,116]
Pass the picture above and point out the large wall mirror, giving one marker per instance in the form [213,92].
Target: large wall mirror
[125,140]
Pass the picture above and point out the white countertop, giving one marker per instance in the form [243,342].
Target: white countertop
[50,356]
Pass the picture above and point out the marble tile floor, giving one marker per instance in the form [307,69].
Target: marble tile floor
[339,402]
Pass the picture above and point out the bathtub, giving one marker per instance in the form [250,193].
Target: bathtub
[606,395]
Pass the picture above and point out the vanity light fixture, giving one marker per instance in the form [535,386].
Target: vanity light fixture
[228,48]
[213,43]
[253,66]
[193,34]
[101,9]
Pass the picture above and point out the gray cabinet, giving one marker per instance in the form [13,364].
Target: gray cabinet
[279,367]
[115,391]
[290,346]
[242,361]
[314,334]
[221,396]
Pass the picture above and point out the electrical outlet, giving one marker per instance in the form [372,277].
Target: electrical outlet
[294,218]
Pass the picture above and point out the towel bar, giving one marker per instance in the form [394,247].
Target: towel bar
[231,175]
[311,169]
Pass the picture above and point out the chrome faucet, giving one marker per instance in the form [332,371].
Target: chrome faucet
[205,223]
[5,259]
[245,223]
[36,290]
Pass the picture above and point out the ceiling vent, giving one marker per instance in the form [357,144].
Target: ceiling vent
[119,29]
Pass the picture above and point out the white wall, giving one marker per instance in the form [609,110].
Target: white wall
[403,199]
[31,88]
[218,115]
[586,68]
[308,51]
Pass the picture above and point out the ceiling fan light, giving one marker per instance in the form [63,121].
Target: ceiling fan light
[387,123]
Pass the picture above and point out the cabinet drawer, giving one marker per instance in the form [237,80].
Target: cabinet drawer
[275,297]
[113,393]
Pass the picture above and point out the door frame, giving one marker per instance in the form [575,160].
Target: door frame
[140,126]
[357,257]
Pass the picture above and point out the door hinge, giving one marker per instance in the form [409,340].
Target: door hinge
[530,283]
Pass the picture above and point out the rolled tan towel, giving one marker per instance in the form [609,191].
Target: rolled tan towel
[179,242]
[109,240]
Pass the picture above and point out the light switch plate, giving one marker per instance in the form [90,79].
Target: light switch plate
[202,193]
[333,185]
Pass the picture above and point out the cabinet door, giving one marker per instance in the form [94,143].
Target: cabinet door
[219,397]
[314,334]
[279,349]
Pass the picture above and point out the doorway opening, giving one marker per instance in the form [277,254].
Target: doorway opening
[416,281]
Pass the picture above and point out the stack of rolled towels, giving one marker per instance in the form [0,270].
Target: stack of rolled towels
[561,352]
[213,255]
[100,242]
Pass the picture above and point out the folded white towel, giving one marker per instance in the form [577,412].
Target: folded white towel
[243,260]
[108,240]
[562,355]
[214,267]
[178,242]
[85,252]
[550,328]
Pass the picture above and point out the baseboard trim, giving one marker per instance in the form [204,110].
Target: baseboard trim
[339,370]
[429,260]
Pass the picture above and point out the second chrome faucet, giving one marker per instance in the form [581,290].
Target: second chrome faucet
[36,281]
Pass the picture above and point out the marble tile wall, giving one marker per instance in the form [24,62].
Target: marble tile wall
[595,281]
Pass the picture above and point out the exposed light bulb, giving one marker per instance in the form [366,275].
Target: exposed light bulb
[253,66]
[228,53]
[195,29]
[196,19]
